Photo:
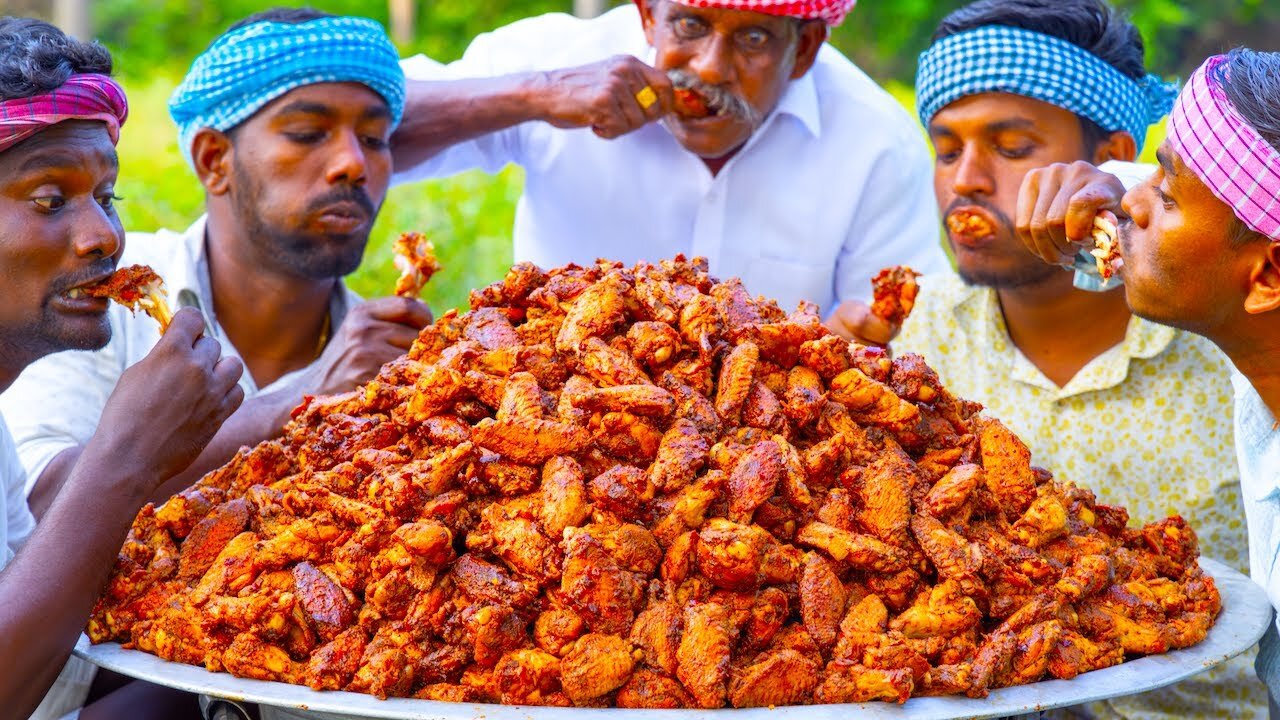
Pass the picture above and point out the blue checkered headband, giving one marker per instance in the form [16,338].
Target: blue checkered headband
[996,58]
[249,67]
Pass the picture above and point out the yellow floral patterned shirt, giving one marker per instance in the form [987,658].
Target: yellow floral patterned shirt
[1146,425]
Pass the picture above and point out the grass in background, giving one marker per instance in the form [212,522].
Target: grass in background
[468,217]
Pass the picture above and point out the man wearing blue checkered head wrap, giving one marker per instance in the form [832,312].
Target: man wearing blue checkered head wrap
[286,120]
[1098,395]
[255,63]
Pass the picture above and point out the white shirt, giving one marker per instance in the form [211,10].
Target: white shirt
[71,688]
[16,522]
[836,184]
[1258,451]
[56,402]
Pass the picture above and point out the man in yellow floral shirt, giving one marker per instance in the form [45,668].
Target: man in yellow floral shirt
[1137,412]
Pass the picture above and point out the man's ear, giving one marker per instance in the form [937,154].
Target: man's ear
[1119,145]
[1264,282]
[812,34]
[646,17]
[211,155]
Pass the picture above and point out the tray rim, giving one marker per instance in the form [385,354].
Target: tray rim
[1245,615]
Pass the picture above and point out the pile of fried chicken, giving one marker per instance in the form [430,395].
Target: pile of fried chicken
[641,487]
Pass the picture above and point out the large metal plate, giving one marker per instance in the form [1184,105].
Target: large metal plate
[1245,615]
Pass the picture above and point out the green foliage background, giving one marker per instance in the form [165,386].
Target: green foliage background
[469,217]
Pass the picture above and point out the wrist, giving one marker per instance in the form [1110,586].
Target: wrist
[106,465]
[530,95]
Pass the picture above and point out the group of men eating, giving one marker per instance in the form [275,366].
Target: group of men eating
[802,177]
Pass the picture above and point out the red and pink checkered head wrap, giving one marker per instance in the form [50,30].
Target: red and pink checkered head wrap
[830,11]
[1225,152]
[86,96]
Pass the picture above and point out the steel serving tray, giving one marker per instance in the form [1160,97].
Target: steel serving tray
[1246,613]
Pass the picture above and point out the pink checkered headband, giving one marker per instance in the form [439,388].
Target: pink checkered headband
[87,96]
[1225,152]
[830,11]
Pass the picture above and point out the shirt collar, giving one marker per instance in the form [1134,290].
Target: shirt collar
[800,100]
[1143,340]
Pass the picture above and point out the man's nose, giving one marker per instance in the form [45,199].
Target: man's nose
[96,234]
[1133,205]
[347,162]
[972,175]
[713,63]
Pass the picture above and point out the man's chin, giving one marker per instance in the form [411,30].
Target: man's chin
[81,333]
[323,257]
[710,138]
[1006,278]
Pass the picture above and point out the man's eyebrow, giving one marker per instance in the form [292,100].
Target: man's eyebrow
[60,160]
[376,112]
[1166,162]
[935,129]
[306,107]
[1010,124]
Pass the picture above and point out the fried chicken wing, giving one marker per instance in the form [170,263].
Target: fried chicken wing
[822,599]
[755,476]
[531,441]
[596,665]
[784,677]
[704,653]
[599,308]
[872,400]
[415,258]
[136,287]
[893,292]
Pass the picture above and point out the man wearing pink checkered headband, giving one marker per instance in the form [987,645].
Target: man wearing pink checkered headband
[1200,247]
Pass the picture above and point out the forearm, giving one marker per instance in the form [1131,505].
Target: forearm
[51,480]
[439,114]
[48,590]
[258,419]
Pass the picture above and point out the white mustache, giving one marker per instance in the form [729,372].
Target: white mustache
[724,102]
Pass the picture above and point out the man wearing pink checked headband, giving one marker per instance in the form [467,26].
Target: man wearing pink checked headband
[726,129]
[60,117]
[1200,242]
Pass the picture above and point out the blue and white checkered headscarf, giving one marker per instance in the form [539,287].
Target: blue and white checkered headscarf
[996,58]
[249,67]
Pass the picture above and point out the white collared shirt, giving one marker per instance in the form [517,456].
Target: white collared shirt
[836,184]
[56,402]
[16,522]
[1258,452]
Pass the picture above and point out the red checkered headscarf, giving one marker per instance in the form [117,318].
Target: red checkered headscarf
[830,11]
[85,96]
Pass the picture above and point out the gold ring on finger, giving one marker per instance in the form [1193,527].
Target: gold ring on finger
[646,97]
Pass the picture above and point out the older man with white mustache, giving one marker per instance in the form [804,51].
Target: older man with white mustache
[721,128]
